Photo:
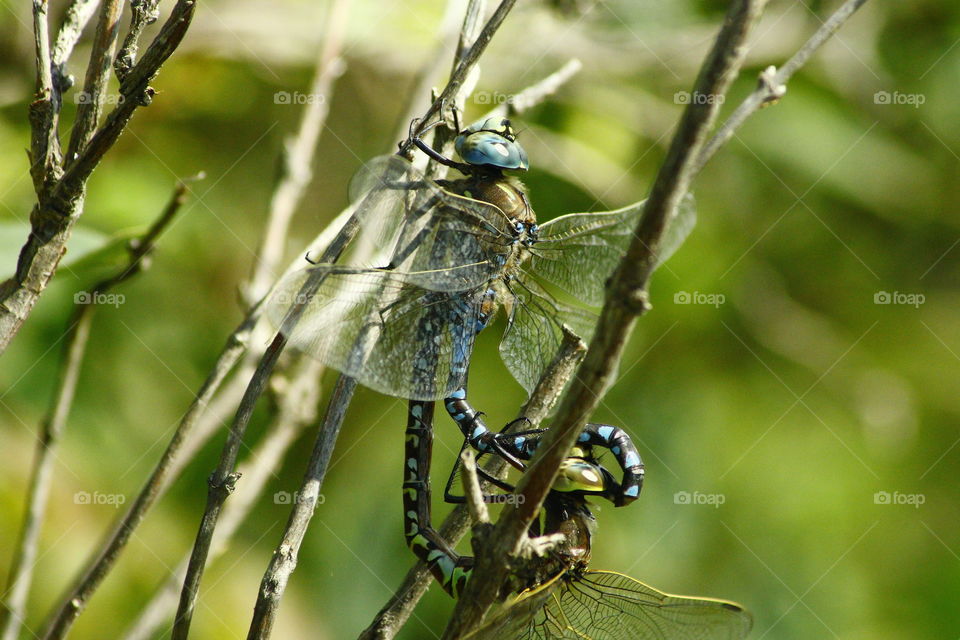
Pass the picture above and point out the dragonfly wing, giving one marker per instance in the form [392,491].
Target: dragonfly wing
[579,251]
[534,332]
[371,325]
[602,605]
[523,617]
[440,240]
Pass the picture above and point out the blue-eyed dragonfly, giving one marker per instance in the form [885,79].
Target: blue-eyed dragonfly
[559,597]
[455,251]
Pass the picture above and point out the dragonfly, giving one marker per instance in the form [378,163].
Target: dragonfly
[559,596]
[455,252]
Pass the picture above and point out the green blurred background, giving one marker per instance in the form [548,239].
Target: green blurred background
[784,387]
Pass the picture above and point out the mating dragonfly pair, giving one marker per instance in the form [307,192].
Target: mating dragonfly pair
[455,251]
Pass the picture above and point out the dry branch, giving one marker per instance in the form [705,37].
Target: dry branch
[75,342]
[60,183]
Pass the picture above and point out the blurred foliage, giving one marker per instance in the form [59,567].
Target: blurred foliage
[796,397]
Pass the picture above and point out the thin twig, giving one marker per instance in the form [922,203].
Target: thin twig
[467,62]
[90,100]
[397,610]
[284,559]
[448,34]
[60,197]
[142,13]
[223,479]
[297,157]
[74,20]
[625,300]
[772,83]
[206,413]
[297,409]
[534,95]
[476,507]
[75,343]
[44,146]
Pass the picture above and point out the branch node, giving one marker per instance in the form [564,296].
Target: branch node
[767,82]
[637,301]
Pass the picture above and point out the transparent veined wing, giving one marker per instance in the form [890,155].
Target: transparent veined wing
[515,619]
[603,605]
[372,325]
[534,330]
[579,251]
[437,240]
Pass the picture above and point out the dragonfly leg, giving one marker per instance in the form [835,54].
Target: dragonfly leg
[449,568]
[480,437]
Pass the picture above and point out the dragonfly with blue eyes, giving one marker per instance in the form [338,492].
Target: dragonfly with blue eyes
[456,251]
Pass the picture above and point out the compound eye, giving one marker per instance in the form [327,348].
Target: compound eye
[518,227]
[534,229]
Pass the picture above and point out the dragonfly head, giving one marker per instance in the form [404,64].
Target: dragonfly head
[491,143]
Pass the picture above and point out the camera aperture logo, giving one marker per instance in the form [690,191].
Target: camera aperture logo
[696,297]
[298,98]
[97,498]
[98,297]
[493,97]
[685,97]
[699,498]
[287,497]
[897,297]
[82,97]
[895,97]
[896,498]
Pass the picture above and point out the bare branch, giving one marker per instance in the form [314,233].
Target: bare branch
[534,95]
[297,409]
[626,299]
[467,62]
[75,342]
[772,84]
[297,158]
[44,147]
[60,197]
[223,479]
[476,507]
[284,559]
[90,100]
[78,14]
[142,13]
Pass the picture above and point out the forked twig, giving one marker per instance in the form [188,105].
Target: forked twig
[60,182]
[74,350]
